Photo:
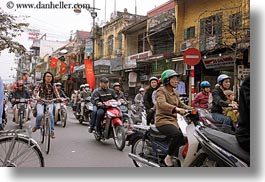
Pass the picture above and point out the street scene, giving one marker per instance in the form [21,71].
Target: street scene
[163,86]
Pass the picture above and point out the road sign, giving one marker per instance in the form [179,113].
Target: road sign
[192,56]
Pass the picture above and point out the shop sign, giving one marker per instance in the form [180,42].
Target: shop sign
[218,62]
[102,69]
[132,58]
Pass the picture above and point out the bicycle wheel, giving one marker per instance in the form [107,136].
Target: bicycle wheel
[42,132]
[47,140]
[24,153]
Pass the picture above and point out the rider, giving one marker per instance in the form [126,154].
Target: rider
[84,94]
[102,94]
[59,88]
[117,89]
[82,86]
[219,100]
[243,130]
[148,102]
[19,93]
[168,105]
[201,100]
[45,90]
[138,99]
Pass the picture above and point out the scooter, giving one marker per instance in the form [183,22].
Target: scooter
[112,125]
[126,118]
[149,147]
[222,148]
[87,108]
[138,115]
[22,111]
[60,112]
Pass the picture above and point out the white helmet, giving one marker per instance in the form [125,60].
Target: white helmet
[141,90]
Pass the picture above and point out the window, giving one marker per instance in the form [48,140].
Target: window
[235,21]
[120,41]
[110,45]
[101,47]
[189,33]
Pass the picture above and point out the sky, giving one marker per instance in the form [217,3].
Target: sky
[58,23]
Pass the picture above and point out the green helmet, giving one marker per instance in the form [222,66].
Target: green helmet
[167,74]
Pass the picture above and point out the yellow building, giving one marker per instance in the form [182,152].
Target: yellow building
[220,30]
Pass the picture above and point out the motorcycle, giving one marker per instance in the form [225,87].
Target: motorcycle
[149,147]
[138,115]
[222,148]
[184,99]
[60,112]
[22,111]
[112,125]
[4,115]
[87,110]
[126,118]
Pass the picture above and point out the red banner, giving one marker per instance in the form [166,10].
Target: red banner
[72,64]
[90,77]
[63,68]
[53,62]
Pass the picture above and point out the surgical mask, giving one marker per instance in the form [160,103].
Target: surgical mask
[87,89]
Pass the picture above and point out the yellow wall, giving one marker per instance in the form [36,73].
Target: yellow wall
[189,13]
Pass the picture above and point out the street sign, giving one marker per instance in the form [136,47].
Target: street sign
[192,56]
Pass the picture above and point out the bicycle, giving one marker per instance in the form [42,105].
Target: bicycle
[19,150]
[45,129]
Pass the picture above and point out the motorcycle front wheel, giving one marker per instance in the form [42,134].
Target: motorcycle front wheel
[140,148]
[120,138]
[63,117]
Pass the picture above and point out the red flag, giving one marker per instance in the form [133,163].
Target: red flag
[63,68]
[72,64]
[90,77]
[53,62]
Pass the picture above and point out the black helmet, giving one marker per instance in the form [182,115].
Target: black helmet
[104,80]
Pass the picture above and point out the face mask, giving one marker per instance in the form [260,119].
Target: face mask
[87,89]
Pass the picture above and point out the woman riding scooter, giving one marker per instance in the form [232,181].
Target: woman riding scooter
[168,105]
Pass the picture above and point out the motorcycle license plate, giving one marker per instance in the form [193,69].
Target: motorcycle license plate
[123,108]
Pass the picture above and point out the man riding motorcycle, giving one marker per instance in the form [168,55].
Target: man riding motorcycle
[83,95]
[19,93]
[102,94]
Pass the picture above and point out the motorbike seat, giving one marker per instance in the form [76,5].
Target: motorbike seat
[227,142]
[157,134]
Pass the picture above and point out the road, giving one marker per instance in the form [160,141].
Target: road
[75,147]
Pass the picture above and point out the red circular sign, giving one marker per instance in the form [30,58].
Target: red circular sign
[192,56]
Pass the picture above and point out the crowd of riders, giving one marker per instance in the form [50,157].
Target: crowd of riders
[160,100]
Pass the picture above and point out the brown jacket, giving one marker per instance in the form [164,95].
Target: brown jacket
[166,101]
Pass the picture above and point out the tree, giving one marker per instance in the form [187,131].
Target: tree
[10,29]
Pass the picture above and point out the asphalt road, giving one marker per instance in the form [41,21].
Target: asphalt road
[75,147]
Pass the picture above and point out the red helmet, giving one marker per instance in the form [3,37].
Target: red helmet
[20,83]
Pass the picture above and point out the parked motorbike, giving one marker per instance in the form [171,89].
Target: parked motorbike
[149,147]
[22,111]
[222,148]
[87,110]
[60,112]
[112,125]
[138,115]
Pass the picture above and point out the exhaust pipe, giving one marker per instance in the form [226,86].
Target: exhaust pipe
[142,160]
